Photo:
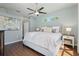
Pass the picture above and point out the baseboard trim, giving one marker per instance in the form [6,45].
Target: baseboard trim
[12,42]
[77,50]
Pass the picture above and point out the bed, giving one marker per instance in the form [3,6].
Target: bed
[46,43]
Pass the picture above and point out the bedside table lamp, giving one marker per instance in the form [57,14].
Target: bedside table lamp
[68,29]
[37,29]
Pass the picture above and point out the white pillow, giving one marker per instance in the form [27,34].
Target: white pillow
[49,29]
[56,28]
[43,29]
[46,29]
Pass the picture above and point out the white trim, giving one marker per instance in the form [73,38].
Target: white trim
[78,50]
[78,46]
[12,42]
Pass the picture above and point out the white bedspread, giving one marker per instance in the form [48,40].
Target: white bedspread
[46,40]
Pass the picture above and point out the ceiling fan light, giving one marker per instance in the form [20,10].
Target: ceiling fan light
[36,13]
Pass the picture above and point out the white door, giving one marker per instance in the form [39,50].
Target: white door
[26,27]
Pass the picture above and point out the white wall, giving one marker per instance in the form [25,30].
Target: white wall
[78,30]
[11,36]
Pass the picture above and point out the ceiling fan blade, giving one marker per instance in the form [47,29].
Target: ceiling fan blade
[43,12]
[41,8]
[30,13]
[30,9]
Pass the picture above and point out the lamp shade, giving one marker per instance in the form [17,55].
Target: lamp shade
[37,29]
[68,29]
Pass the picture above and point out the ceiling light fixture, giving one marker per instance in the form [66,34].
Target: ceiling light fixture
[36,13]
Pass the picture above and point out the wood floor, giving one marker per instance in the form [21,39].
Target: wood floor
[18,49]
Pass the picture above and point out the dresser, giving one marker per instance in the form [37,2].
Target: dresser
[1,42]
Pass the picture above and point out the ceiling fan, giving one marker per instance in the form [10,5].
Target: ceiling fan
[37,11]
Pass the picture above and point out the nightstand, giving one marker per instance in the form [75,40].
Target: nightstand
[68,40]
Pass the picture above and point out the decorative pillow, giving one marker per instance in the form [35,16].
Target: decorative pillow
[43,29]
[46,29]
[56,29]
[49,29]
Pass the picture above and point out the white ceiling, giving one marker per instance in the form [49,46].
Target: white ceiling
[22,7]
